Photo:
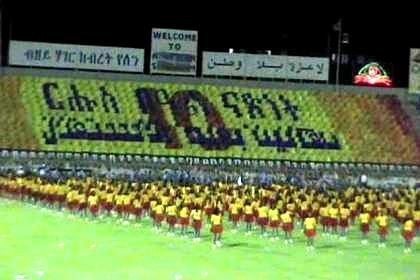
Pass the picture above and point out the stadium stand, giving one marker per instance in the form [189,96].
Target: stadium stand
[178,118]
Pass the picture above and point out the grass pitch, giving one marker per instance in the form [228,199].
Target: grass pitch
[36,243]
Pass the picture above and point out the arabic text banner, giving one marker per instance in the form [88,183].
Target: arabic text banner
[414,72]
[265,66]
[224,64]
[76,56]
[207,121]
[174,52]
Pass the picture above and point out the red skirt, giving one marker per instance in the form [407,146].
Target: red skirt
[310,233]
[209,211]
[249,218]
[136,211]
[94,209]
[274,224]
[288,227]
[108,206]
[61,198]
[333,222]
[303,214]
[184,221]
[217,229]
[146,205]
[324,221]
[158,218]
[127,208]
[197,224]
[120,208]
[365,228]
[235,217]
[82,206]
[408,234]
[171,220]
[344,223]
[417,224]
[383,231]
[353,214]
[373,213]
[262,221]
[50,198]
[255,213]
[72,205]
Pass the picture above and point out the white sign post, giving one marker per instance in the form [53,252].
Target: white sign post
[37,54]
[266,66]
[174,52]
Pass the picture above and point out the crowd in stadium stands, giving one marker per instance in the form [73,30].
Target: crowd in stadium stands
[270,208]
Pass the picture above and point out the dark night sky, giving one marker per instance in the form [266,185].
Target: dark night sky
[301,30]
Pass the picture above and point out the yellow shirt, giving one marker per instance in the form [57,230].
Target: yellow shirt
[198,200]
[184,212]
[196,214]
[353,205]
[291,207]
[165,200]
[333,213]
[262,212]
[368,207]
[109,197]
[255,205]
[402,213]
[145,198]
[309,223]
[234,208]
[171,210]
[216,219]
[344,213]
[159,209]
[323,211]
[137,203]
[61,190]
[102,195]
[408,225]
[364,218]
[53,189]
[153,204]
[71,196]
[81,198]
[273,214]
[248,209]
[382,221]
[285,217]
[416,215]
[93,200]
[126,200]
[119,199]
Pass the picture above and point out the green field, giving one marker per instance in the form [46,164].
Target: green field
[37,243]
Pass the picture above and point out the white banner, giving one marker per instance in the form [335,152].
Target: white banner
[414,84]
[224,64]
[173,52]
[266,66]
[76,56]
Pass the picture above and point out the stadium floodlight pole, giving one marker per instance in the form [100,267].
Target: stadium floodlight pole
[338,28]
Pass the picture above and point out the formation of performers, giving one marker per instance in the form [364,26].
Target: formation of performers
[271,209]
